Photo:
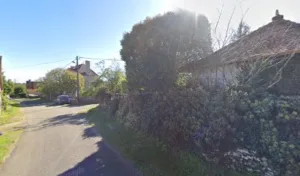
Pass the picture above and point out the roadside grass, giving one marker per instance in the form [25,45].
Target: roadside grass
[12,114]
[150,156]
[7,142]
[36,100]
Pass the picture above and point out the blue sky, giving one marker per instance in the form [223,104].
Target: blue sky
[33,32]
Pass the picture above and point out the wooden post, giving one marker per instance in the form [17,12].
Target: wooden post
[1,77]
[77,80]
[1,84]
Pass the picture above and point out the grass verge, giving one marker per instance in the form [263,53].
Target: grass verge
[35,100]
[12,114]
[7,142]
[149,155]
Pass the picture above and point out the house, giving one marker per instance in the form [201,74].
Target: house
[32,87]
[31,84]
[278,40]
[86,71]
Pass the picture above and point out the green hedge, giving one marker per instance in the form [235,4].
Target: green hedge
[242,128]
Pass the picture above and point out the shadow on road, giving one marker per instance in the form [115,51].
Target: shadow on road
[34,102]
[104,162]
[77,119]
[26,102]
[66,105]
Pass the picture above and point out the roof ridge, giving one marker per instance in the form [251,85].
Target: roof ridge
[254,32]
[75,68]
[277,36]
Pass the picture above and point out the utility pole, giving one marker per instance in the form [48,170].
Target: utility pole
[77,74]
[1,84]
[1,76]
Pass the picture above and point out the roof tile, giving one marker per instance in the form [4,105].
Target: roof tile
[276,37]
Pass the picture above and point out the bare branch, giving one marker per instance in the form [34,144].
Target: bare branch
[228,27]
[219,18]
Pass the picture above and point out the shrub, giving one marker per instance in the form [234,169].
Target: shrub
[20,91]
[219,126]
[269,125]
[22,95]
[167,116]
[5,102]
[244,126]
[264,125]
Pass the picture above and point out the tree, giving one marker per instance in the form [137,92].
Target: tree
[242,30]
[116,80]
[59,81]
[20,91]
[110,80]
[156,47]
[8,86]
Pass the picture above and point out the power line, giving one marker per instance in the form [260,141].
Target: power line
[45,63]
[111,59]
[40,64]
[69,64]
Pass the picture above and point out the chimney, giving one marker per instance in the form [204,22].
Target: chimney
[88,64]
[277,16]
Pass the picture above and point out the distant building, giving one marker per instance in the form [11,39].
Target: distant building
[86,71]
[32,87]
[31,84]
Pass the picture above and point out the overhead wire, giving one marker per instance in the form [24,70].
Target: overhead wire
[111,59]
[89,58]
[45,63]
[69,64]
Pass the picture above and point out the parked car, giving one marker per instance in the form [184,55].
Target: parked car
[63,99]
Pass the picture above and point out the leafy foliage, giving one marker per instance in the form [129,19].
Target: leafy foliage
[269,125]
[5,102]
[8,86]
[150,155]
[183,80]
[156,47]
[242,30]
[59,81]
[243,127]
[111,80]
[20,90]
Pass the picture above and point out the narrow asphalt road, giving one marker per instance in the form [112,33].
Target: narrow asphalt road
[57,141]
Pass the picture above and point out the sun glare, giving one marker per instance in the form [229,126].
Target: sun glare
[192,5]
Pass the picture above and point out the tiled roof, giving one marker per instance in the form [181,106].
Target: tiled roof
[75,68]
[93,73]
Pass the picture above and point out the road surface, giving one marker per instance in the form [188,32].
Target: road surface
[57,141]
